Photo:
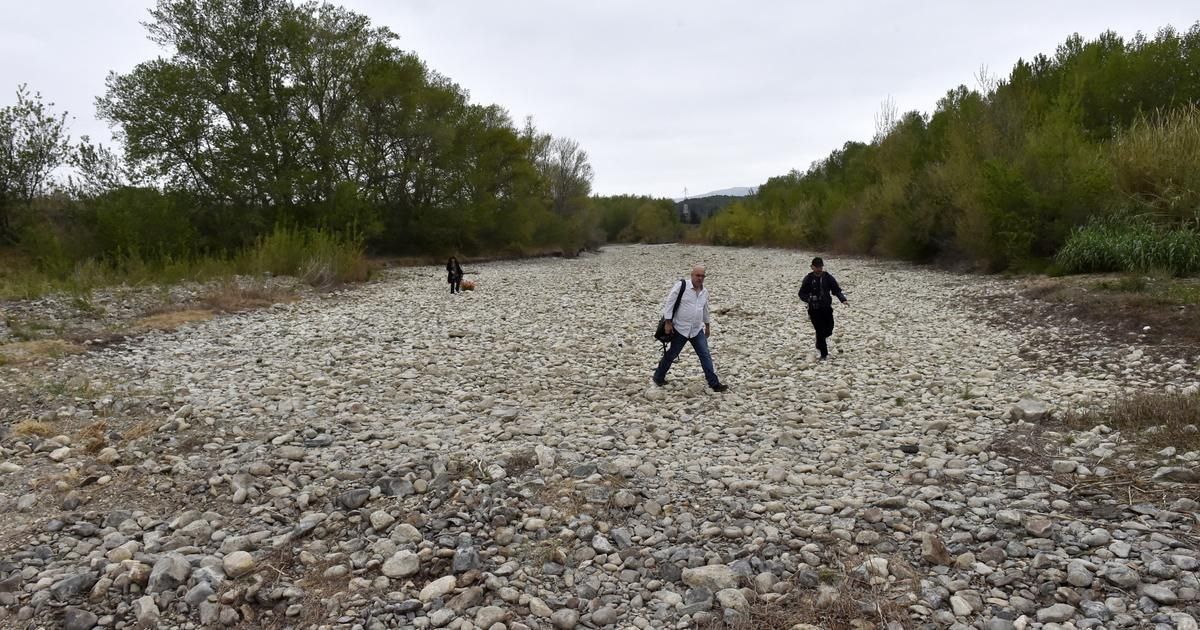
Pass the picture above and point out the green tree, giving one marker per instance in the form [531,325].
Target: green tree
[33,143]
[253,106]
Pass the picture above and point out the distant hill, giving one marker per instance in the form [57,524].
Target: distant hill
[700,208]
[736,191]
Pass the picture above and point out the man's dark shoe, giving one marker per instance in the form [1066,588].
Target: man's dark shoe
[660,381]
[720,387]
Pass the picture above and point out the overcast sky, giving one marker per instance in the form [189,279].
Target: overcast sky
[662,94]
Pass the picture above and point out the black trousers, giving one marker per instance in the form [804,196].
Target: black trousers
[454,285]
[822,321]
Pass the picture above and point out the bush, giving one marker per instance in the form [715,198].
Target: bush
[318,257]
[1158,419]
[1130,246]
[1154,163]
[142,222]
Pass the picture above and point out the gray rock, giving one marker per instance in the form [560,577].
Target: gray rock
[392,487]
[601,544]
[1160,594]
[1176,474]
[354,499]
[1030,409]
[714,577]
[169,573]
[198,594]
[1078,574]
[145,610]
[71,587]
[438,588]
[1121,575]
[1057,613]
[238,563]
[605,616]
[487,616]
[997,623]
[564,619]
[78,619]
[402,564]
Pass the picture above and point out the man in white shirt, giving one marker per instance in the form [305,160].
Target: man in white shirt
[688,323]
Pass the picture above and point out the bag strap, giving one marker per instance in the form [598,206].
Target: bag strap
[674,309]
[678,297]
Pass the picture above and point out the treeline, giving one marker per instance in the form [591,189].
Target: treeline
[294,123]
[1103,136]
[700,208]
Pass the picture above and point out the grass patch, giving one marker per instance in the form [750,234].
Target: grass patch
[1155,420]
[139,430]
[230,297]
[840,602]
[173,319]
[28,428]
[26,351]
[30,330]
[317,257]
[1128,303]
[1130,246]
[92,436]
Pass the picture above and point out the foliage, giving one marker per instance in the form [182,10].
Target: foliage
[33,142]
[999,177]
[1155,164]
[274,113]
[1135,245]
[635,219]
[318,257]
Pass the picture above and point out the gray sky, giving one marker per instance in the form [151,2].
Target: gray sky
[662,94]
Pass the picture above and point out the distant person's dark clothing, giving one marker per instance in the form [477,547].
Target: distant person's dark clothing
[817,291]
[454,275]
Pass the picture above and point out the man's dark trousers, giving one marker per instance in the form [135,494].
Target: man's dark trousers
[822,321]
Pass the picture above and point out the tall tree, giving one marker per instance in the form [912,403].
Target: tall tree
[254,103]
[33,143]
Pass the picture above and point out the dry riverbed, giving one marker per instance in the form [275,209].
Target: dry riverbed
[394,456]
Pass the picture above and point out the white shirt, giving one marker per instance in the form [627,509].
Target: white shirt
[692,315]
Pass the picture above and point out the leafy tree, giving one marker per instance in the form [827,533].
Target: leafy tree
[33,143]
[253,107]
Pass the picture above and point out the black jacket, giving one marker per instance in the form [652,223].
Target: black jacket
[816,290]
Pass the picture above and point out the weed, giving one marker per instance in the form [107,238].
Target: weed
[83,303]
[1158,420]
[26,428]
[25,351]
[231,297]
[174,319]
[1124,284]
[139,430]
[92,436]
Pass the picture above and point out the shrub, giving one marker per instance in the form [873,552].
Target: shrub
[1154,163]
[318,257]
[1131,246]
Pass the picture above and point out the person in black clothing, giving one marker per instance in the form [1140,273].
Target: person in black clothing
[454,274]
[816,291]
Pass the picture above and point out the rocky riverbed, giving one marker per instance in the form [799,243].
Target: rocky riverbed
[394,456]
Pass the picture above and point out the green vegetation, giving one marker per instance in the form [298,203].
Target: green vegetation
[318,257]
[1137,246]
[316,144]
[1058,155]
